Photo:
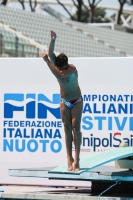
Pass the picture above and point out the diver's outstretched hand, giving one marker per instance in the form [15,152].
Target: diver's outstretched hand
[53,35]
[42,54]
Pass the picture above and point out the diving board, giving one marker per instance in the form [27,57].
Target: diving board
[96,159]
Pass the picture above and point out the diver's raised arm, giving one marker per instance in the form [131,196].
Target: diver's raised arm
[51,47]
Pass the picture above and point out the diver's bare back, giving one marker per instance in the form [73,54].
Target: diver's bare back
[69,87]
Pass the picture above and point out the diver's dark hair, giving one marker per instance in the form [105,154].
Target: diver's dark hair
[61,60]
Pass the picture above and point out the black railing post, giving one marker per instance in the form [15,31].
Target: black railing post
[37,52]
[1,46]
[16,47]
[22,50]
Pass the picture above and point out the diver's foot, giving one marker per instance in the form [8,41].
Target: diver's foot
[70,165]
[76,167]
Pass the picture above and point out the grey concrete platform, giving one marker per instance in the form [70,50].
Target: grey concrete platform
[101,178]
[102,173]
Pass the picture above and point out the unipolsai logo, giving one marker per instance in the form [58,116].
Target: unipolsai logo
[34,105]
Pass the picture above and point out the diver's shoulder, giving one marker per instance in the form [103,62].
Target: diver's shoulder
[72,66]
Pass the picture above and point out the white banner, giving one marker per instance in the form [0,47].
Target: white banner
[31,126]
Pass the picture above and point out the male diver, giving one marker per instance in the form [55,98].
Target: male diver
[71,102]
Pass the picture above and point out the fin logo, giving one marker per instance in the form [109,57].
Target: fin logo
[34,105]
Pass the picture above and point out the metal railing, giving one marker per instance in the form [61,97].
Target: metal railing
[17,49]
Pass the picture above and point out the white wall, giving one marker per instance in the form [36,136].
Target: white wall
[96,76]
[91,71]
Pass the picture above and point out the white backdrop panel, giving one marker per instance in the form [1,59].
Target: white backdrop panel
[32,133]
